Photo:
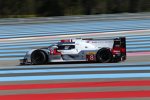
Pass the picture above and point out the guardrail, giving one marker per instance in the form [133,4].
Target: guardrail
[101,17]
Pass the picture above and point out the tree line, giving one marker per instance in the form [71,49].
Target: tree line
[34,8]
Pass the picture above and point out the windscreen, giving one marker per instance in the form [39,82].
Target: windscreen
[66,47]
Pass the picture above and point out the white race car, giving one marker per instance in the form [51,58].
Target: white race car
[82,50]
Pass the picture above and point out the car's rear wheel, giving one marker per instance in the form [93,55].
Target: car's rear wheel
[38,57]
[104,55]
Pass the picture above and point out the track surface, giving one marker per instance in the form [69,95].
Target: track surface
[75,81]
[126,80]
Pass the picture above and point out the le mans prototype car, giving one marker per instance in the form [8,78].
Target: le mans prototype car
[82,50]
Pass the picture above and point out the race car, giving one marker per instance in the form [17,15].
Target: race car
[108,50]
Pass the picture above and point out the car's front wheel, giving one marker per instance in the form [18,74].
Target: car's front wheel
[38,57]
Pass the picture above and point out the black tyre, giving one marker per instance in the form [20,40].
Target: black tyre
[38,57]
[104,55]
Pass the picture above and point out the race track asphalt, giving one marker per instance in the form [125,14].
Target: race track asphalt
[127,84]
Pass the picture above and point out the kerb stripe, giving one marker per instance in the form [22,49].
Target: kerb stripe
[75,84]
[82,95]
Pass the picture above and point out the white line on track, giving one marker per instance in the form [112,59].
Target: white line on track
[75,35]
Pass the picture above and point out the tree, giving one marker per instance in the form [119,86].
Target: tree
[48,8]
[88,5]
[21,8]
[134,6]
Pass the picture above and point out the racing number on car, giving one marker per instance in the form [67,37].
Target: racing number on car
[91,57]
